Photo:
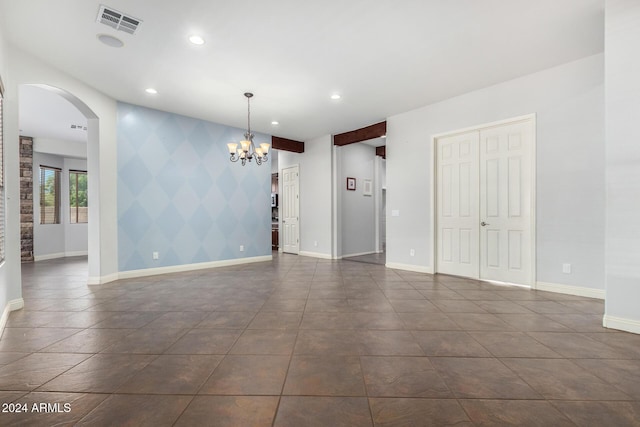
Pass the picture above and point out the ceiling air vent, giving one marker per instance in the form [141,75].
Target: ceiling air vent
[117,20]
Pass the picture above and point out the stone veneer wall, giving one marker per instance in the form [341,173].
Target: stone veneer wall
[26,198]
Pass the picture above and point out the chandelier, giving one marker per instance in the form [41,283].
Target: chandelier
[248,150]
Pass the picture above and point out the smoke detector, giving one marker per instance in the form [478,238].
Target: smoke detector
[117,20]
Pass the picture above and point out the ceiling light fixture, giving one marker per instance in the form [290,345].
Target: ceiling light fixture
[248,150]
[196,39]
[275,123]
[335,96]
[151,91]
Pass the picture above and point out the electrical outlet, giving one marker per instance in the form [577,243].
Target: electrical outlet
[566,268]
[241,248]
[412,252]
[156,255]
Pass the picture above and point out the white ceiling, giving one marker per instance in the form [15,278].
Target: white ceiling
[384,57]
[45,114]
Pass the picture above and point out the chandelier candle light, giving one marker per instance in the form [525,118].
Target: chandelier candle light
[247,149]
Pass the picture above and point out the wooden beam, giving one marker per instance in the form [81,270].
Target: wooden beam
[381,151]
[359,135]
[287,144]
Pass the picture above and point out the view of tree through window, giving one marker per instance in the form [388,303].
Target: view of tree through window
[78,197]
[49,195]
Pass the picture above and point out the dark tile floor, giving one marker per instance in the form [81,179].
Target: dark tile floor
[303,342]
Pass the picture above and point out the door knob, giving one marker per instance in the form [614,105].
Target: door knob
[484,223]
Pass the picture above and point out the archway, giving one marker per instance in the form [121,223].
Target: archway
[93,172]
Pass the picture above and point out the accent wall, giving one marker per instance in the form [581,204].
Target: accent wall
[180,196]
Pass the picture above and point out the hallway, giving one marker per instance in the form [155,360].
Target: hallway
[302,341]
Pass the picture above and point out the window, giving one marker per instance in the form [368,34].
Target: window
[78,196]
[1,181]
[49,195]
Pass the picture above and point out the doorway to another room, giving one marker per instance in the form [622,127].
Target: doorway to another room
[362,201]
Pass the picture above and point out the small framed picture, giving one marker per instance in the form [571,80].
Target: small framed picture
[367,188]
[351,184]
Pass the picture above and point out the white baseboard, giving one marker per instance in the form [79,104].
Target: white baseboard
[48,256]
[101,280]
[76,253]
[409,267]
[190,267]
[628,325]
[358,254]
[59,255]
[315,255]
[12,305]
[570,290]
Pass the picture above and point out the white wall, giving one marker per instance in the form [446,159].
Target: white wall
[60,148]
[357,211]
[622,65]
[315,195]
[568,101]
[10,273]
[101,154]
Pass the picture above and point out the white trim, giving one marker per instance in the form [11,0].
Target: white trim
[409,267]
[357,254]
[101,280]
[12,305]
[315,255]
[48,256]
[570,290]
[628,325]
[76,253]
[534,172]
[59,255]
[190,267]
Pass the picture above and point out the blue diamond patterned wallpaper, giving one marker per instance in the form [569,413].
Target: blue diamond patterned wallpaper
[180,196]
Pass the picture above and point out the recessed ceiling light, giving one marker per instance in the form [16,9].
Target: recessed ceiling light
[275,123]
[151,90]
[196,39]
[110,40]
[335,96]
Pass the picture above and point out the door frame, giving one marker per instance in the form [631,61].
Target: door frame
[434,186]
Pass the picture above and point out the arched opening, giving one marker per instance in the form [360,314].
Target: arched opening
[63,133]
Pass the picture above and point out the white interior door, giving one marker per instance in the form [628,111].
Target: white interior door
[484,203]
[457,203]
[505,202]
[290,206]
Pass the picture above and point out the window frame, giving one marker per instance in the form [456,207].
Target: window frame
[57,202]
[76,172]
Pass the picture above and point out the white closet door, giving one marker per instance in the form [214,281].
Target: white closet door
[457,224]
[505,202]
[290,206]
